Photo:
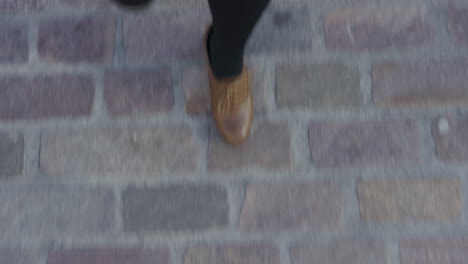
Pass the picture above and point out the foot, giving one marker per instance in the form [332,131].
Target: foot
[231,103]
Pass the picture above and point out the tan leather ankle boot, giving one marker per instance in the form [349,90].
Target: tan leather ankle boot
[231,103]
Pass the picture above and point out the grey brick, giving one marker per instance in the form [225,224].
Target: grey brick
[13,43]
[119,152]
[55,210]
[165,37]
[11,154]
[259,253]
[110,256]
[77,40]
[370,143]
[175,208]
[327,86]
[45,96]
[268,147]
[142,92]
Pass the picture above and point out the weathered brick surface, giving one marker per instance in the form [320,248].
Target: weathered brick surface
[77,40]
[138,92]
[283,29]
[131,152]
[359,144]
[22,6]
[326,86]
[402,200]
[175,208]
[450,134]
[58,210]
[434,251]
[86,4]
[165,37]
[11,154]
[343,252]
[458,23]
[422,83]
[375,28]
[110,256]
[233,254]
[45,96]
[268,147]
[18,256]
[13,43]
[197,90]
[287,206]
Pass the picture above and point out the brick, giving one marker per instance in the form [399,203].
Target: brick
[116,151]
[369,143]
[110,256]
[286,206]
[268,147]
[434,251]
[22,6]
[233,254]
[175,208]
[327,86]
[371,28]
[458,24]
[283,28]
[45,96]
[18,256]
[394,201]
[197,90]
[450,135]
[88,3]
[343,252]
[165,37]
[11,155]
[425,83]
[148,91]
[77,40]
[14,43]
[55,210]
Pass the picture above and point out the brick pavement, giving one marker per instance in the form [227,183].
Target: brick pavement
[358,153]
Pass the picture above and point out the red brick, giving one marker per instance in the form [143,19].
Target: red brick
[434,252]
[450,135]
[45,96]
[197,90]
[14,43]
[458,24]
[233,254]
[346,144]
[110,256]
[22,6]
[268,147]
[343,252]
[374,28]
[45,211]
[425,83]
[119,152]
[287,206]
[17,256]
[77,40]
[127,92]
[395,201]
[165,37]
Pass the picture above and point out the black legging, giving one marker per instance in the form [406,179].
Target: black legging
[233,22]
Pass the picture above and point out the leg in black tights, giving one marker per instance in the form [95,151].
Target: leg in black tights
[233,22]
